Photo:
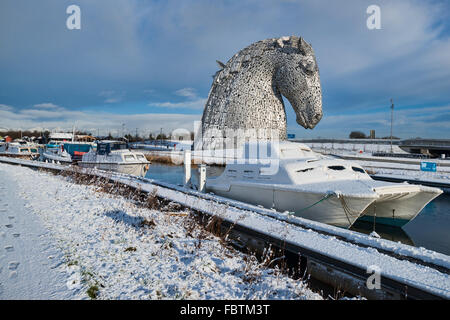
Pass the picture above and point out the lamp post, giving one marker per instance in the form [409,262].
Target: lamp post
[392,121]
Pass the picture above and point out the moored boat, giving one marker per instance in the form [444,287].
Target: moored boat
[56,155]
[315,187]
[20,150]
[115,156]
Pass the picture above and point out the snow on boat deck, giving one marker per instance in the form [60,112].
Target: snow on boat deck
[407,272]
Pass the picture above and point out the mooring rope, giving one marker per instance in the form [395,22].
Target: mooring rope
[327,196]
[347,210]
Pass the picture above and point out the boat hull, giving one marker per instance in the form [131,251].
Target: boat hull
[399,208]
[323,208]
[49,157]
[136,169]
[32,156]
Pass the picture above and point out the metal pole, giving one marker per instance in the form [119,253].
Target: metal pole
[202,177]
[187,167]
[392,121]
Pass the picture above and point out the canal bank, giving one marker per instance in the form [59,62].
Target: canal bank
[339,257]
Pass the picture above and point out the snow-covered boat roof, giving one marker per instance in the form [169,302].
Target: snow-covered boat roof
[61,135]
[276,150]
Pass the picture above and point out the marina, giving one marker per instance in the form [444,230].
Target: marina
[239,151]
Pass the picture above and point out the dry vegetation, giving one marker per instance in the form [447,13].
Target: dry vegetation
[197,225]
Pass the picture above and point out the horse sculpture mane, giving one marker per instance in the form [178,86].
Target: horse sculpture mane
[247,91]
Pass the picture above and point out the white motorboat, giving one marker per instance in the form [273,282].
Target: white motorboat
[320,188]
[19,150]
[56,155]
[115,156]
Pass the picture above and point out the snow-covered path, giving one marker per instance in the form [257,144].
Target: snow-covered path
[30,263]
[114,249]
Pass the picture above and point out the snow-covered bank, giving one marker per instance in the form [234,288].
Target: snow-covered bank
[354,145]
[125,251]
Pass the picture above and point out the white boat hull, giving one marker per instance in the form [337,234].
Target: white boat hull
[313,206]
[397,208]
[26,156]
[136,169]
[50,157]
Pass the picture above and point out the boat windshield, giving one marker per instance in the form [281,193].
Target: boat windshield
[141,157]
[118,146]
[129,158]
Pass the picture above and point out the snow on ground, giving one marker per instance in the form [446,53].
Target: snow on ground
[345,147]
[76,239]
[30,263]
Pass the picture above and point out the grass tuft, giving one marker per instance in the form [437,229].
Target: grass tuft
[92,292]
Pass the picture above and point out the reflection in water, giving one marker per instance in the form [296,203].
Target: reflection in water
[385,232]
[169,174]
[430,229]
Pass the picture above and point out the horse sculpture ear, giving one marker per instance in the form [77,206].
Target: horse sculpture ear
[220,64]
[303,46]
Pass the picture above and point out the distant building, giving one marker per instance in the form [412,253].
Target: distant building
[85,138]
[372,134]
[61,136]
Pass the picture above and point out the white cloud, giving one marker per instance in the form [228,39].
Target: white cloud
[197,104]
[46,106]
[187,92]
[4,107]
[194,102]
[106,122]
[408,122]
[111,96]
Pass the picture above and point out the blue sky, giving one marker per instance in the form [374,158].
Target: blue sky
[148,64]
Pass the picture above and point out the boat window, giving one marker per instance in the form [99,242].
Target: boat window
[358,169]
[248,171]
[34,150]
[305,170]
[129,157]
[231,170]
[337,168]
[23,150]
[118,146]
[141,157]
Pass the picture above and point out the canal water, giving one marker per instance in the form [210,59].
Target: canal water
[430,229]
